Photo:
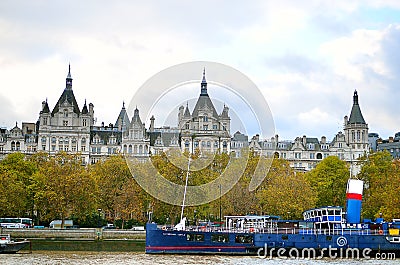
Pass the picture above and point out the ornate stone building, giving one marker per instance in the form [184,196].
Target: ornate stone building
[304,153]
[204,129]
[68,128]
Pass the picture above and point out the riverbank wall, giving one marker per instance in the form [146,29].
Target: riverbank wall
[90,239]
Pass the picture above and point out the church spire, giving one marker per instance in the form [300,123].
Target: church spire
[68,80]
[204,84]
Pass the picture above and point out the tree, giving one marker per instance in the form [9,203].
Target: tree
[381,176]
[329,181]
[285,192]
[119,196]
[64,188]
[16,193]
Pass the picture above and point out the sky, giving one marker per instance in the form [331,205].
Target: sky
[306,57]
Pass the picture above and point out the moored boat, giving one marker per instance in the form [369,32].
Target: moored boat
[8,246]
[322,230]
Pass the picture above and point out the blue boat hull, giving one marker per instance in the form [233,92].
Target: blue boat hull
[177,242]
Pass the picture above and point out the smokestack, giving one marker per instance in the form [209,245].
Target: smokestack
[354,199]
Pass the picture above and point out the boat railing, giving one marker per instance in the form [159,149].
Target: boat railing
[276,230]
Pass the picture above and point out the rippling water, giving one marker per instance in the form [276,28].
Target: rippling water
[70,258]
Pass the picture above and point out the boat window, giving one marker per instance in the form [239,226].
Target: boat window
[285,237]
[337,212]
[195,237]
[220,238]
[328,238]
[244,239]
[331,212]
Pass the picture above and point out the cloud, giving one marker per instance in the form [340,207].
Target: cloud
[304,56]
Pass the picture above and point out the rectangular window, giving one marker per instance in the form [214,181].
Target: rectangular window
[65,123]
[83,148]
[244,239]
[220,238]
[195,237]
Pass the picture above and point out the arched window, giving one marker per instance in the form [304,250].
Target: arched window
[140,149]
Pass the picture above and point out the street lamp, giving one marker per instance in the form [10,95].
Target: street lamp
[98,217]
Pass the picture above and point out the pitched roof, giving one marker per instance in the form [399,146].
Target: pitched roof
[85,109]
[46,108]
[123,119]
[66,96]
[204,102]
[356,116]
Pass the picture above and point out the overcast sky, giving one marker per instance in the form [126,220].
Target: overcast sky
[307,57]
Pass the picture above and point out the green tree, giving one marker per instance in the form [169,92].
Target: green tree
[329,181]
[381,177]
[16,186]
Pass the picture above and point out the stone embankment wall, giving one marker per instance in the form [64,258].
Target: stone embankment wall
[75,234]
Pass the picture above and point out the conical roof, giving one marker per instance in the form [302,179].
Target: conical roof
[356,116]
[204,101]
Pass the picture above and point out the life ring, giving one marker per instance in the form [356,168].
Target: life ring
[251,230]
[164,228]
[380,232]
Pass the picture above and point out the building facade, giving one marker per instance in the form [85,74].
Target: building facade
[204,129]
[66,127]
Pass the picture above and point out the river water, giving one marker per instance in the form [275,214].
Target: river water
[112,258]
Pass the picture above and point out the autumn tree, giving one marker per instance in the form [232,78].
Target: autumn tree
[285,192]
[381,177]
[329,180]
[64,188]
[119,196]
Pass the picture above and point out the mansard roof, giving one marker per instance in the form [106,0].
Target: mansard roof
[356,116]
[105,133]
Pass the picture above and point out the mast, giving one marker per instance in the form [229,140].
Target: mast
[184,193]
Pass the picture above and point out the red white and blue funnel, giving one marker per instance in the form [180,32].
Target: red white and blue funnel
[354,199]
